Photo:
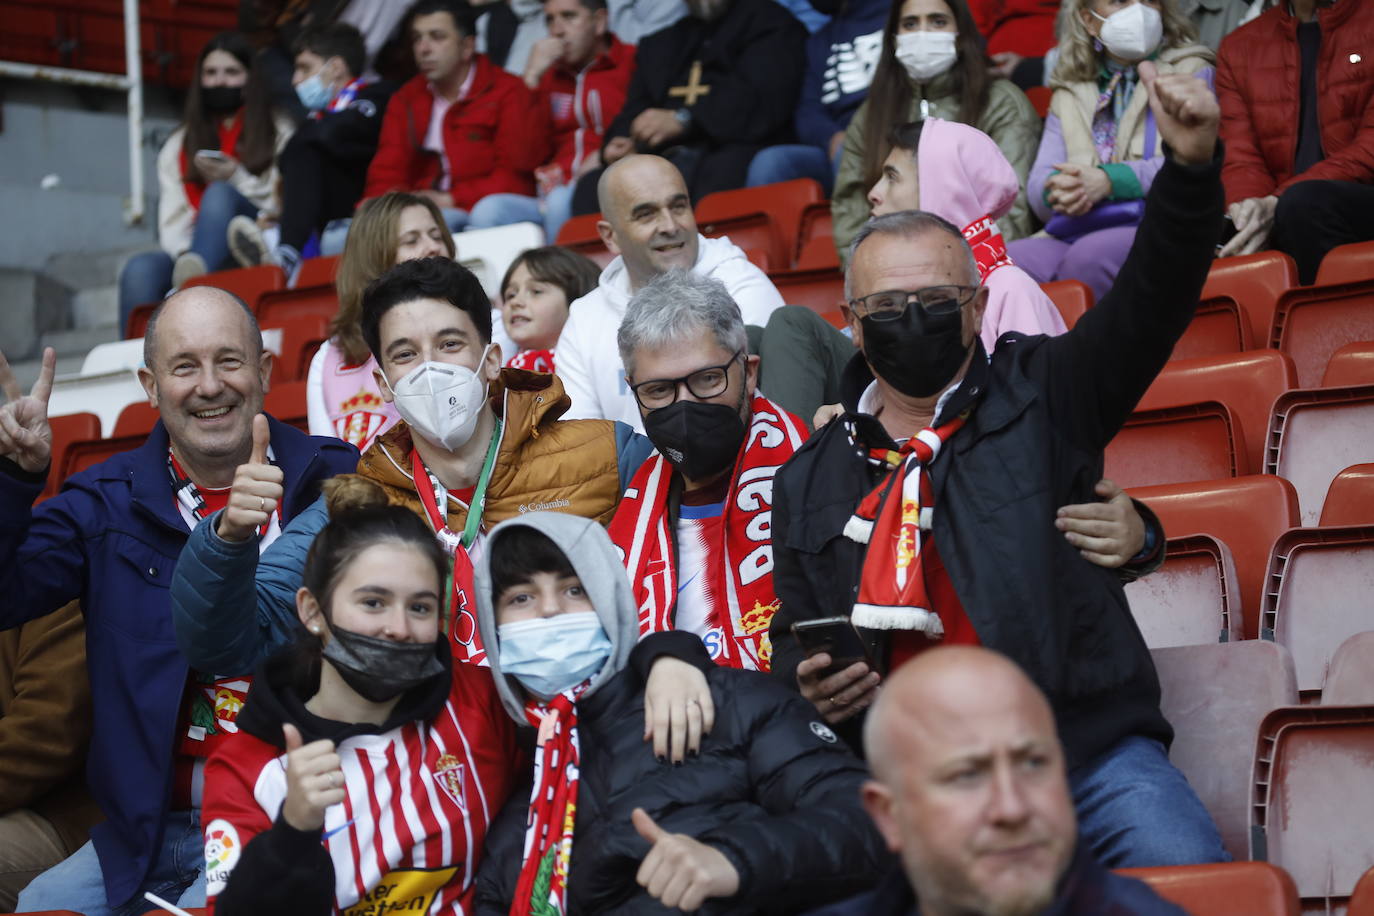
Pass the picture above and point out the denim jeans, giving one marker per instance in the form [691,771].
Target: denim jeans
[504,209]
[77,883]
[792,160]
[1136,809]
[146,277]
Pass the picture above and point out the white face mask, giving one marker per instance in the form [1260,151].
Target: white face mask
[926,55]
[1133,33]
[441,401]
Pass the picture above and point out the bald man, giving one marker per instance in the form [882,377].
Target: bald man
[648,223]
[111,539]
[969,790]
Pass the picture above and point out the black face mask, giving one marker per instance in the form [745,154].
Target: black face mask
[916,353]
[221,99]
[380,669]
[700,440]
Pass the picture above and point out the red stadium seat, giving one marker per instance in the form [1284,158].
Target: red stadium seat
[1318,595]
[1314,799]
[1248,383]
[287,402]
[1246,514]
[137,419]
[1315,434]
[1199,441]
[1193,599]
[1312,322]
[138,320]
[818,252]
[1350,498]
[1215,697]
[1352,364]
[1350,678]
[66,429]
[1362,901]
[765,218]
[579,234]
[816,223]
[318,271]
[1040,98]
[248,283]
[1071,297]
[821,290]
[1351,263]
[1254,283]
[301,337]
[1223,888]
[1219,326]
[87,452]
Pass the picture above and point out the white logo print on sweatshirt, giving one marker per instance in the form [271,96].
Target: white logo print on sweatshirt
[849,68]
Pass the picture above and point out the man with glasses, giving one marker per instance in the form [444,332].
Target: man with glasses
[927,512]
[695,523]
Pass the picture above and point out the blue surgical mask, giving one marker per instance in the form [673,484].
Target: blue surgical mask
[547,655]
[313,92]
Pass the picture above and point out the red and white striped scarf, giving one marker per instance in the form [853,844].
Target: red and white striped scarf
[989,248]
[739,571]
[543,886]
[891,520]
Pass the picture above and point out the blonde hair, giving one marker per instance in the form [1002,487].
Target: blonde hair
[1080,62]
[370,252]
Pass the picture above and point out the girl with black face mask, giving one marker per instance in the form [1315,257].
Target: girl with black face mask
[221,162]
[366,763]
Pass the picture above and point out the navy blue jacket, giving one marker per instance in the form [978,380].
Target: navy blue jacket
[840,59]
[111,538]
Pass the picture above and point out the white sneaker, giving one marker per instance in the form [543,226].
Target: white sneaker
[188,266]
[246,242]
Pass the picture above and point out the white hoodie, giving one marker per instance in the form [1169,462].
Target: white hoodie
[587,356]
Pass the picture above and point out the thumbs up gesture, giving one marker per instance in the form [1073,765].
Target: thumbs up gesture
[256,491]
[679,871]
[314,780]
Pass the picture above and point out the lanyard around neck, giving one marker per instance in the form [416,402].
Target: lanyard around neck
[439,516]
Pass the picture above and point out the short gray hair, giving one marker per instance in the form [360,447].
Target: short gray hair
[674,305]
[150,332]
[909,224]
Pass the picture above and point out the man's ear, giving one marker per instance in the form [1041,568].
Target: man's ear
[265,370]
[491,363]
[382,385]
[974,320]
[603,229]
[877,801]
[751,374]
[856,328]
[149,383]
[602,20]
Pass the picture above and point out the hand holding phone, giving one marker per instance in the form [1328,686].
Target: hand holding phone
[837,676]
[212,154]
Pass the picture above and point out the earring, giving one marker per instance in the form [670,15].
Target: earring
[315,630]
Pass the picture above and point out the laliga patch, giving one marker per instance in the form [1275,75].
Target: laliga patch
[822,731]
[222,850]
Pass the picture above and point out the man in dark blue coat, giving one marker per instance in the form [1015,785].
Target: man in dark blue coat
[111,539]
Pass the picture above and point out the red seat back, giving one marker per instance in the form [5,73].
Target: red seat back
[1176,445]
[1350,498]
[1312,322]
[301,337]
[1314,435]
[821,290]
[765,218]
[66,429]
[1193,599]
[1350,678]
[318,271]
[816,223]
[1072,297]
[303,301]
[137,419]
[1219,326]
[818,252]
[287,402]
[1362,901]
[138,320]
[1040,98]
[1352,364]
[1246,514]
[87,452]
[1223,888]
[248,283]
[1347,264]
[1254,282]
[579,234]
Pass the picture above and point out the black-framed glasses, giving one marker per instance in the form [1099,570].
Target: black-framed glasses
[704,383]
[890,304]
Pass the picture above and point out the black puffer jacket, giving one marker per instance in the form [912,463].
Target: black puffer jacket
[773,789]
[1042,411]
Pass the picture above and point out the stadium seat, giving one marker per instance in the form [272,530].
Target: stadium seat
[1350,498]
[488,252]
[87,452]
[104,395]
[1248,383]
[138,320]
[766,218]
[137,419]
[1317,433]
[816,223]
[1071,297]
[1040,98]
[301,336]
[1312,322]
[1218,327]
[115,356]
[1318,595]
[760,258]
[1223,888]
[1314,799]
[1350,677]
[248,283]
[821,290]
[1362,900]
[1215,697]
[304,301]
[1246,514]
[818,252]
[579,234]
[1199,441]
[66,429]
[318,271]
[1351,263]
[1254,283]
[1193,599]
[1352,364]
[287,402]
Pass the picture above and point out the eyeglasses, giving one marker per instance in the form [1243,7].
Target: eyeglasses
[890,304]
[703,383]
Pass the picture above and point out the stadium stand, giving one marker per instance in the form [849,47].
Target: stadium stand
[1314,435]
[1222,889]
[1350,498]
[1072,297]
[1350,676]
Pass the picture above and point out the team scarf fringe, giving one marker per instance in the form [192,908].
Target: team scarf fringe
[739,567]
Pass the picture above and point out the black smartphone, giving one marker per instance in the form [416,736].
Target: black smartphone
[1228,232]
[834,636]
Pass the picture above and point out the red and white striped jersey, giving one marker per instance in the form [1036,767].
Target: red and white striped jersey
[419,799]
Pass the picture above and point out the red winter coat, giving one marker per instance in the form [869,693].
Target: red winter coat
[582,105]
[493,140]
[1025,27]
[1257,85]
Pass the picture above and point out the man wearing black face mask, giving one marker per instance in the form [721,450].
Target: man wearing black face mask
[927,512]
[695,523]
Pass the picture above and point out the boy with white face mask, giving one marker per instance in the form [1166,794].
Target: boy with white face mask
[765,818]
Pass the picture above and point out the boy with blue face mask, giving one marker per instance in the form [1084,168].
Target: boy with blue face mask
[765,818]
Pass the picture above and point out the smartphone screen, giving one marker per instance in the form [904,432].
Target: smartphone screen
[834,636]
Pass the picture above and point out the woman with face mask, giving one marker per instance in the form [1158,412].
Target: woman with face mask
[932,64]
[1101,148]
[220,163]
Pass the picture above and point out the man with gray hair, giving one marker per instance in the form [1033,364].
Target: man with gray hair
[695,523]
[111,539]
[927,512]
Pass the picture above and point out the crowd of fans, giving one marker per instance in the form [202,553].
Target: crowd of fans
[643,589]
